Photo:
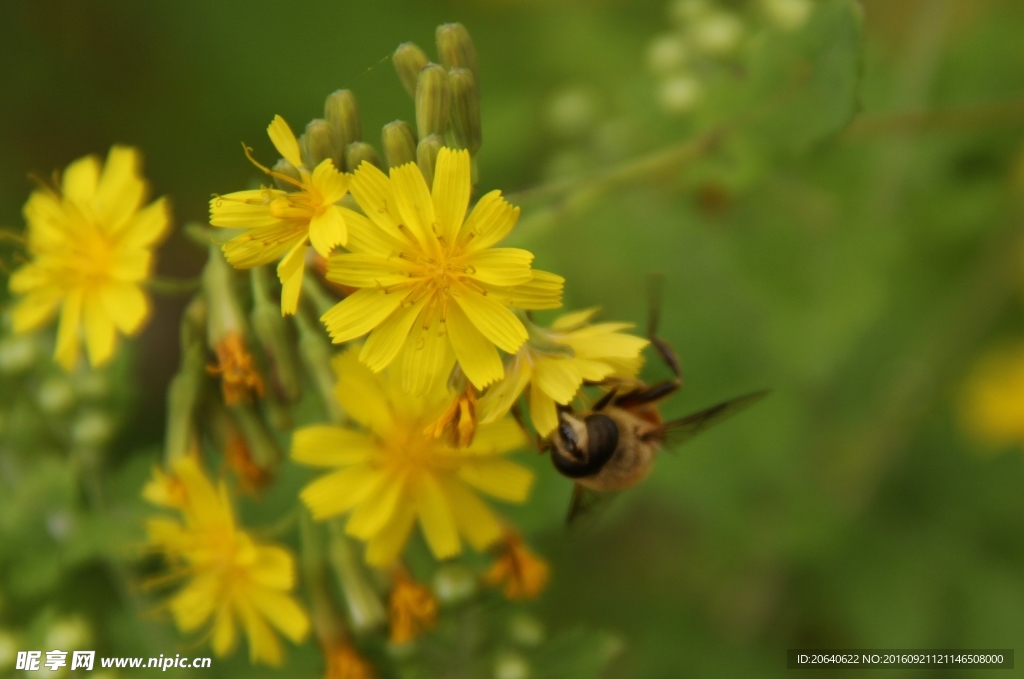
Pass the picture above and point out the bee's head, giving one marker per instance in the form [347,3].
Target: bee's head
[583,445]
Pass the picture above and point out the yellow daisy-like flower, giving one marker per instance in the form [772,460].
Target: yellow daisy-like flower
[556,361]
[993,400]
[279,224]
[233,579]
[390,473]
[430,282]
[90,243]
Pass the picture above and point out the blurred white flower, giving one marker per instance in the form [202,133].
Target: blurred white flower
[788,14]
[667,53]
[718,34]
[680,94]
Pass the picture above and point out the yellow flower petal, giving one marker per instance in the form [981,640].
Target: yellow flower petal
[290,271]
[490,221]
[498,477]
[361,394]
[543,292]
[120,190]
[496,438]
[339,491]
[365,270]
[245,209]
[575,319]
[377,509]
[281,611]
[66,351]
[263,643]
[327,230]
[558,377]
[427,355]
[542,411]
[372,190]
[500,398]
[361,312]
[284,141]
[477,356]
[473,517]
[412,198]
[386,340]
[274,568]
[28,277]
[81,178]
[384,547]
[436,518]
[224,633]
[99,330]
[450,192]
[501,266]
[330,446]
[126,305]
[493,320]
[365,237]
[147,227]
[193,605]
[332,184]
[36,308]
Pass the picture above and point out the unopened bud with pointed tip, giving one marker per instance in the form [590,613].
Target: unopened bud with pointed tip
[399,143]
[409,60]
[317,143]
[342,113]
[359,151]
[426,156]
[465,109]
[433,101]
[456,49]
[284,167]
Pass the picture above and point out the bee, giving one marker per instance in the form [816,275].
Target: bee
[612,445]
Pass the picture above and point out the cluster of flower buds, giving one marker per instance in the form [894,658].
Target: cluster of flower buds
[706,39]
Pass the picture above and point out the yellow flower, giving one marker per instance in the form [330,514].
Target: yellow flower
[522,572]
[391,473]
[429,280]
[993,402]
[279,224]
[233,579]
[556,361]
[90,243]
[457,424]
[413,608]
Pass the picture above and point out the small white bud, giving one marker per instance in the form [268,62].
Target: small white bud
[667,54]
[55,395]
[718,34]
[571,113]
[17,354]
[788,15]
[680,94]
[92,428]
[510,665]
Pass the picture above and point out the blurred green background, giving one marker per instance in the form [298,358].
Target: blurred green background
[853,249]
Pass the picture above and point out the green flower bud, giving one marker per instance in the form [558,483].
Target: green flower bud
[183,392]
[317,143]
[342,113]
[455,583]
[262,445]
[325,615]
[409,60]
[284,167]
[426,156]
[364,605]
[456,49]
[55,395]
[315,350]
[526,630]
[18,353]
[433,100]
[511,665]
[93,428]
[466,126]
[225,312]
[272,332]
[399,143]
[359,151]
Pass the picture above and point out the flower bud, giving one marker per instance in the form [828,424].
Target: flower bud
[511,665]
[55,395]
[286,168]
[366,611]
[788,15]
[315,351]
[92,428]
[456,49]
[680,94]
[342,113]
[359,151]
[433,101]
[465,109]
[409,60]
[272,332]
[317,143]
[426,156]
[454,583]
[18,353]
[186,386]
[399,143]
[718,34]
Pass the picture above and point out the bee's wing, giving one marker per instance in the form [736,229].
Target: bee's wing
[585,502]
[682,430]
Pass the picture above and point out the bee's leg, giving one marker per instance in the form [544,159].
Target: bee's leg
[605,400]
[653,319]
[539,443]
